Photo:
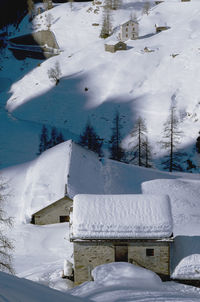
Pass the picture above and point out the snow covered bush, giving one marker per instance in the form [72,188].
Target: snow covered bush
[54,73]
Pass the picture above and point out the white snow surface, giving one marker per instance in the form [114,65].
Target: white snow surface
[38,183]
[185,202]
[120,281]
[14,289]
[122,216]
[188,268]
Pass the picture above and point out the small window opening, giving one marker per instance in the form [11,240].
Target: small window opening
[149,252]
[64,218]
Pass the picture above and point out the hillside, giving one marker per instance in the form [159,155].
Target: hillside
[133,82]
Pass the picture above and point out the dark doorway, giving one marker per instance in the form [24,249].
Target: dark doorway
[64,218]
[121,253]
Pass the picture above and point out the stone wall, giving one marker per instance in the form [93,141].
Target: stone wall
[158,263]
[52,213]
[88,255]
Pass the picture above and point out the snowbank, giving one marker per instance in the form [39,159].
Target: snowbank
[188,268]
[184,195]
[13,289]
[125,274]
[122,216]
[120,281]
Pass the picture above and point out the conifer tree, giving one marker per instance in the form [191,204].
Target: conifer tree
[53,138]
[116,151]
[147,153]
[140,147]
[171,138]
[106,25]
[60,138]
[44,140]
[90,139]
[198,143]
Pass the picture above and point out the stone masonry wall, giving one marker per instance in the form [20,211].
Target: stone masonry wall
[52,213]
[158,263]
[89,255]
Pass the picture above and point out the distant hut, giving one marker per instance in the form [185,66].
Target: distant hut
[161,28]
[129,228]
[56,212]
[113,47]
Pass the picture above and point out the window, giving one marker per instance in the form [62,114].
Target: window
[126,36]
[149,252]
[126,29]
[121,253]
[64,218]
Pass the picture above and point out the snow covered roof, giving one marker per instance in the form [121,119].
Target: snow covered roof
[129,22]
[121,216]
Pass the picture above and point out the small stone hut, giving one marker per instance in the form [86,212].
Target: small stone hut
[113,47]
[161,28]
[129,30]
[57,212]
[129,228]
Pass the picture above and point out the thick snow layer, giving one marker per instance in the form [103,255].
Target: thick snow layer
[13,289]
[118,282]
[184,195]
[38,183]
[130,274]
[122,216]
[188,268]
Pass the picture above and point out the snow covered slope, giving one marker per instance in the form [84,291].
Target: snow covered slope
[132,81]
[38,183]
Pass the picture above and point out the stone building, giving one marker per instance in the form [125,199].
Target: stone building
[113,47]
[161,28]
[129,228]
[39,45]
[56,212]
[129,30]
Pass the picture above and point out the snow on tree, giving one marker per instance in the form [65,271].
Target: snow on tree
[171,138]
[5,244]
[90,139]
[54,73]
[116,151]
